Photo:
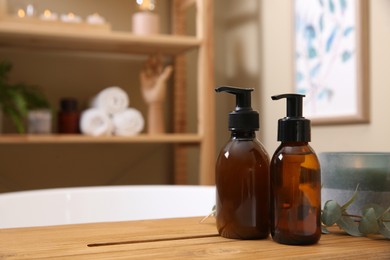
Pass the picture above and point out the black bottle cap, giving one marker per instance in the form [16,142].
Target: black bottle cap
[68,104]
[244,117]
[294,127]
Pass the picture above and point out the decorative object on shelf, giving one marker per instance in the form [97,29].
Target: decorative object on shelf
[30,10]
[71,18]
[39,121]
[153,80]
[111,114]
[95,19]
[68,117]
[48,15]
[112,100]
[145,21]
[128,122]
[17,99]
[28,16]
[95,122]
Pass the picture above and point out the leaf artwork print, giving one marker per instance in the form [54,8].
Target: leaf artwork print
[325,56]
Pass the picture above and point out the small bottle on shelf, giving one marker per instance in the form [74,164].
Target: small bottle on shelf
[68,117]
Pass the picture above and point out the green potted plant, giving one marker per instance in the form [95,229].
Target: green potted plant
[17,99]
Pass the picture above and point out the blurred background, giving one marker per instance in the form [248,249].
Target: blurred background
[253,47]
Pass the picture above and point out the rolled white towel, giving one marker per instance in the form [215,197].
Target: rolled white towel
[128,122]
[112,100]
[95,122]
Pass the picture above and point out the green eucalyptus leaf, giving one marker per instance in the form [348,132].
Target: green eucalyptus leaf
[368,223]
[384,219]
[386,215]
[385,224]
[212,213]
[349,225]
[324,230]
[331,213]
[384,230]
[379,210]
[351,200]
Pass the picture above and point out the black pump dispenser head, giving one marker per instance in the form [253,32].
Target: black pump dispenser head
[244,118]
[294,127]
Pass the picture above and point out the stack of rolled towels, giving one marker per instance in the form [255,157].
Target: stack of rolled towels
[110,114]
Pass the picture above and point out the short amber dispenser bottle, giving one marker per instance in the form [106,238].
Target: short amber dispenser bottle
[68,117]
[295,180]
[242,175]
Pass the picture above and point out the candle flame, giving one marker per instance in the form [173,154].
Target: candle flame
[47,13]
[146,5]
[21,13]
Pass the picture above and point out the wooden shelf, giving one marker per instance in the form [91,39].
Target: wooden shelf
[41,36]
[64,138]
[64,38]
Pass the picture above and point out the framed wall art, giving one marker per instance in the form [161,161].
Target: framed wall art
[331,59]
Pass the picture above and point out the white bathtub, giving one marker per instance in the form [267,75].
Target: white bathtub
[103,204]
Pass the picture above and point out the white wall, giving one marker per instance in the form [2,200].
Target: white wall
[269,49]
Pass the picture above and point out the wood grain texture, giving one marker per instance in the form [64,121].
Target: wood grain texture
[206,93]
[179,23]
[172,239]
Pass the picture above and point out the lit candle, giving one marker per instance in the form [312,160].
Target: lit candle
[48,16]
[70,18]
[95,19]
[146,5]
[145,21]
[21,13]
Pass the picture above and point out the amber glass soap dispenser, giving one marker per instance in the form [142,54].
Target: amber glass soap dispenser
[242,175]
[295,180]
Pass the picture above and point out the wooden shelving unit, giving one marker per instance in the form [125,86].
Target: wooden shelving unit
[34,36]
[24,35]
[81,139]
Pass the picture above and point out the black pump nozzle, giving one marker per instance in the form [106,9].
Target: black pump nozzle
[294,104]
[244,118]
[294,127]
[243,96]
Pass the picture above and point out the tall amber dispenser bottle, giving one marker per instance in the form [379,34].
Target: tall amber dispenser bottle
[242,175]
[295,180]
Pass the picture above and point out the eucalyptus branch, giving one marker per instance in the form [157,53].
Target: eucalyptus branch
[370,222]
[352,216]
